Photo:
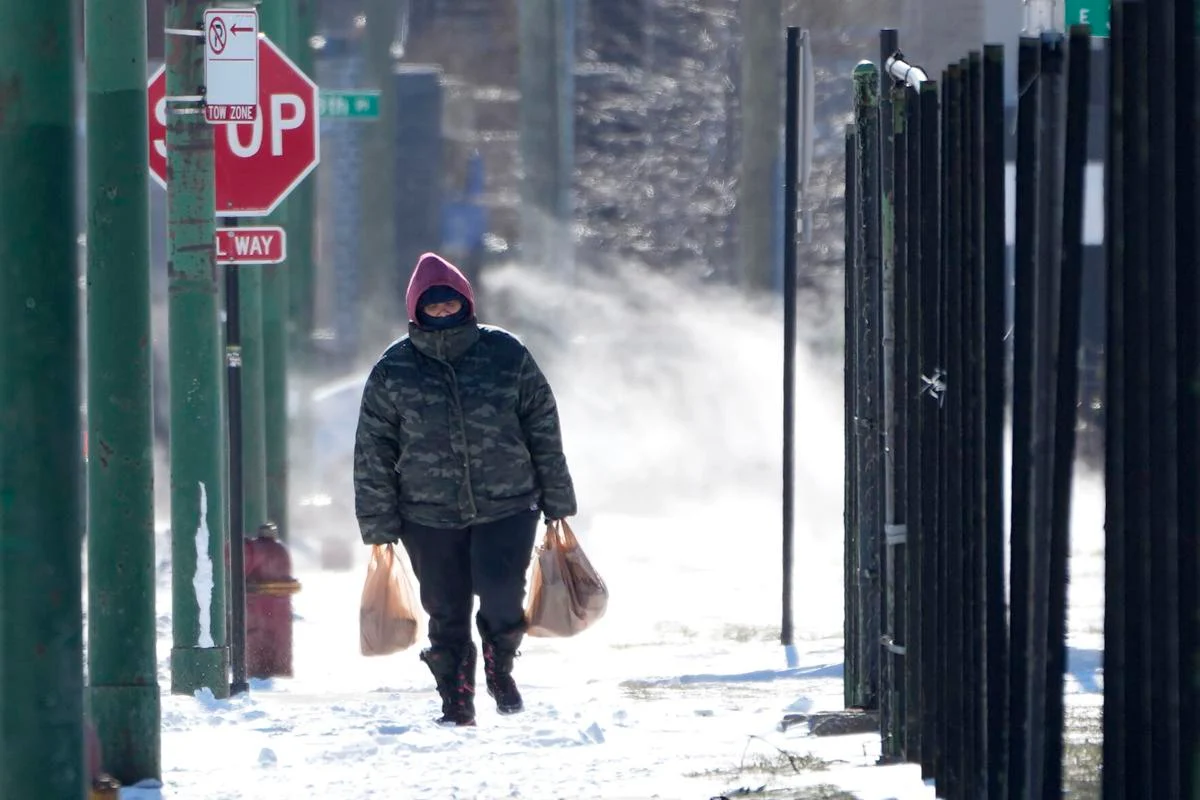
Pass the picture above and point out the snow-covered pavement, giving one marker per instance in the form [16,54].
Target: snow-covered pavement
[672,430]
[677,693]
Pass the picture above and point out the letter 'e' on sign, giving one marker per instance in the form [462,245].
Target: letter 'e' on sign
[231,65]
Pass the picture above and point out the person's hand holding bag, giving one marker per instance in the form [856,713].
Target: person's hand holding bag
[567,595]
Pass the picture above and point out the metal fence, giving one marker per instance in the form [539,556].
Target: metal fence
[1151,742]
[968,677]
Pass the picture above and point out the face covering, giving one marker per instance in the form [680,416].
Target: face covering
[442,294]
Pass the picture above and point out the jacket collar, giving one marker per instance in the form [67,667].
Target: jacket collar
[448,345]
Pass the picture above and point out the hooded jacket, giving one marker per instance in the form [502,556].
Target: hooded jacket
[457,427]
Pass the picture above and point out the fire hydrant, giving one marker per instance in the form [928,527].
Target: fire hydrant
[269,590]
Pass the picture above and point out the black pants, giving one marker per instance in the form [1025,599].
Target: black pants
[488,560]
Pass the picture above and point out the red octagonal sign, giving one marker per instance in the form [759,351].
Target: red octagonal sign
[258,163]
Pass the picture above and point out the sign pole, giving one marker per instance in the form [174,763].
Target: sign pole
[231,68]
[237,562]
[199,656]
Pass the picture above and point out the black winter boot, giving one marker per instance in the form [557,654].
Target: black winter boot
[497,670]
[454,673]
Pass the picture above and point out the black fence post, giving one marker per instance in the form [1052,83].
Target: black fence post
[1117,735]
[908,390]
[953,540]
[931,404]
[1187,222]
[896,644]
[1020,557]
[972,410]
[1161,318]
[850,625]
[1042,441]
[994,255]
[868,395]
[889,715]
[1139,385]
[1069,313]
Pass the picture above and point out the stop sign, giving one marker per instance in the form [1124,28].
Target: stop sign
[257,163]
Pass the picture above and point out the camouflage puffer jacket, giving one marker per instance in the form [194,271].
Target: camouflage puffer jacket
[457,427]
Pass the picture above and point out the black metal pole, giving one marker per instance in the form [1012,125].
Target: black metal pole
[1024,262]
[955,675]
[1070,311]
[972,520]
[888,724]
[1187,222]
[898,531]
[1140,385]
[946,750]
[791,181]
[850,570]
[237,568]
[909,392]
[1161,317]
[994,254]
[930,426]
[1115,776]
[1049,254]
[868,401]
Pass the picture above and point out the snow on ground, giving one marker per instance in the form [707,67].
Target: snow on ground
[678,691]
[681,682]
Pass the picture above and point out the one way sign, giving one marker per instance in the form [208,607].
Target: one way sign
[258,245]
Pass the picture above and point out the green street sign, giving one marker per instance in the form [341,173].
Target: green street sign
[351,104]
[1090,12]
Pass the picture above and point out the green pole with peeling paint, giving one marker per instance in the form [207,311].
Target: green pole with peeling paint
[199,655]
[274,22]
[122,664]
[41,515]
[301,280]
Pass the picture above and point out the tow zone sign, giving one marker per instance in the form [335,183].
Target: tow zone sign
[231,65]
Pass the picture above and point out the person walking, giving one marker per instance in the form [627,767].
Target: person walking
[458,452]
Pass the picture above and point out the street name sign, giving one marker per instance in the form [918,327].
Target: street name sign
[352,104]
[1089,12]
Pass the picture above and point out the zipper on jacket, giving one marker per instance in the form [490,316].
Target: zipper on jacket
[466,445]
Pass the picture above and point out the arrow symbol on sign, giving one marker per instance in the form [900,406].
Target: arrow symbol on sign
[236,29]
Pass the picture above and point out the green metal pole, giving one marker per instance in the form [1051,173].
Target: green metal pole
[251,289]
[199,658]
[275,389]
[41,628]
[275,23]
[381,300]
[301,281]
[302,202]
[122,663]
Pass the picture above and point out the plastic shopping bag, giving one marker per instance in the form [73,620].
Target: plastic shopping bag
[567,596]
[387,620]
